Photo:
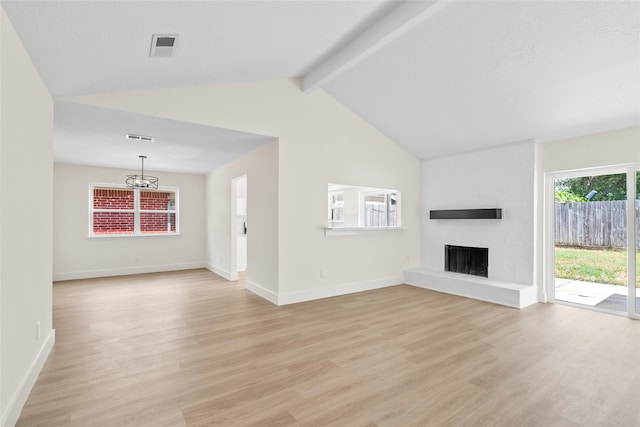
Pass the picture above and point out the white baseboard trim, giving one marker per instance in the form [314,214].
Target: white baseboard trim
[270,296]
[349,288]
[232,277]
[92,274]
[14,408]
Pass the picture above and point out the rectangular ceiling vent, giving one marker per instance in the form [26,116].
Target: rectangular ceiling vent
[163,45]
[134,137]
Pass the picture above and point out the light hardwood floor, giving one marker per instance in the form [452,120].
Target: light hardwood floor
[189,348]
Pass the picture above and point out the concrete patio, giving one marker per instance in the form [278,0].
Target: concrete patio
[587,293]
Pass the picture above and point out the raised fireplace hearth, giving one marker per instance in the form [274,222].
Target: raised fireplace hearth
[481,288]
[466,260]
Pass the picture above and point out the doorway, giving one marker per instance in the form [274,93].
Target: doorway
[594,239]
[239,227]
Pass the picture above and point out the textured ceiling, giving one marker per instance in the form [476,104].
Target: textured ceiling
[83,47]
[476,74]
[436,77]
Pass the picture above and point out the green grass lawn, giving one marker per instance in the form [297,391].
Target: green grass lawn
[591,265]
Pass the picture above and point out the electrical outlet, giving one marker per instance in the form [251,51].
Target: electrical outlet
[322,274]
[38,330]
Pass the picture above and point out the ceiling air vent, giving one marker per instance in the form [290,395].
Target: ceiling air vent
[163,45]
[133,137]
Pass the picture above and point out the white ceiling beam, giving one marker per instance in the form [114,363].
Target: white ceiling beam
[401,19]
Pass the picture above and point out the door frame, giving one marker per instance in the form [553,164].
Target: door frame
[631,169]
[233,256]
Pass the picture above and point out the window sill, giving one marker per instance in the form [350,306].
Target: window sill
[348,231]
[124,236]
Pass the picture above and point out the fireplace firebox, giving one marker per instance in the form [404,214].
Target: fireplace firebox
[466,260]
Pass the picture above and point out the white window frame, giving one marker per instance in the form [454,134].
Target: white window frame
[387,202]
[334,204]
[354,210]
[136,211]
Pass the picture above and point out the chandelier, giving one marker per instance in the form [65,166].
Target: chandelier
[142,181]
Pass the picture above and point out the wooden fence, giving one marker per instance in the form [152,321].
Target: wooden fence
[594,224]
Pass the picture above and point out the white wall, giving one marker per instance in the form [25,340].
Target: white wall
[617,147]
[612,148]
[501,177]
[26,192]
[261,168]
[320,142]
[77,256]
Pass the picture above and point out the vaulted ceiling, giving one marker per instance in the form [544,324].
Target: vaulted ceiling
[436,77]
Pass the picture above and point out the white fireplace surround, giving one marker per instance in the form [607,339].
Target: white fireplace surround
[502,176]
[510,294]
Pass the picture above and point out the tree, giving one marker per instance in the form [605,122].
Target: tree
[608,187]
[563,196]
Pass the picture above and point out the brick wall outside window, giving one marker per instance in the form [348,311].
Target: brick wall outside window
[153,222]
[114,211]
[113,222]
[154,200]
[157,222]
[104,198]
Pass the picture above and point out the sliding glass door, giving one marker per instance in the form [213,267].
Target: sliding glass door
[595,241]
[634,252]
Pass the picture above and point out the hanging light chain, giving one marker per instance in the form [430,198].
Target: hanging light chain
[142,181]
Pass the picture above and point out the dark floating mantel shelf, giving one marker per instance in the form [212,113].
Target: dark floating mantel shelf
[493,213]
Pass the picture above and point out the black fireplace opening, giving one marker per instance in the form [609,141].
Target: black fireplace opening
[466,260]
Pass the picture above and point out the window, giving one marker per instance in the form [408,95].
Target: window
[119,211]
[362,207]
[336,206]
[379,209]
